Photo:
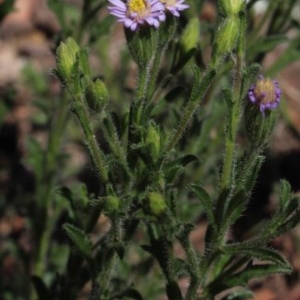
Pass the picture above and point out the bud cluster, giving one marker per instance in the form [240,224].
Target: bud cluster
[72,65]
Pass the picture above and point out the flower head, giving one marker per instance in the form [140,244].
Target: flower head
[134,13]
[266,93]
[174,6]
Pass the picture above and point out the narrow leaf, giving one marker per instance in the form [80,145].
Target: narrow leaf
[262,254]
[205,200]
[254,271]
[79,238]
[285,194]
[235,207]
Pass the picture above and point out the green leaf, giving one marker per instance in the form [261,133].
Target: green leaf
[290,223]
[235,207]
[172,168]
[180,267]
[205,200]
[292,206]
[285,195]
[80,239]
[252,172]
[263,254]
[253,271]
[221,208]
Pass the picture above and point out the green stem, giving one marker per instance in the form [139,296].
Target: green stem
[234,118]
[136,112]
[193,264]
[141,93]
[115,143]
[154,71]
[93,146]
[101,283]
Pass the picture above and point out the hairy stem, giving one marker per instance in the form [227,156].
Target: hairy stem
[234,118]
[93,146]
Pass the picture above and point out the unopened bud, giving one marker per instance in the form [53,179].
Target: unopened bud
[232,7]
[153,140]
[97,95]
[112,204]
[226,36]
[157,204]
[66,58]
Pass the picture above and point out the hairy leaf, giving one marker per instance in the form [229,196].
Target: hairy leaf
[79,238]
[205,200]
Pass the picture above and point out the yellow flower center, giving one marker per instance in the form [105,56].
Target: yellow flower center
[265,91]
[137,6]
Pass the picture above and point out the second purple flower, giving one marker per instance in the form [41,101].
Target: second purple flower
[265,93]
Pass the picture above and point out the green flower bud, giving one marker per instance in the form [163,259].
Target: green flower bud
[232,7]
[156,203]
[153,141]
[112,204]
[97,95]
[66,58]
[190,36]
[226,36]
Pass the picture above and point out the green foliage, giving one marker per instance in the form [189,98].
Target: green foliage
[80,239]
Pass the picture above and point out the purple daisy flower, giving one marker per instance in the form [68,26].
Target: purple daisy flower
[134,13]
[266,93]
[174,6]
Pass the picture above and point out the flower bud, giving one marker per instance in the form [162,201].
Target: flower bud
[232,7]
[66,58]
[258,128]
[153,141]
[97,95]
[112,204]
[226,36]
[156,203]
[190,36]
